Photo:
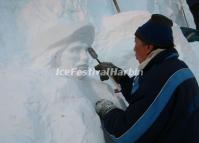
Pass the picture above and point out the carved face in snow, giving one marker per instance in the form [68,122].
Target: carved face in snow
[69,52]
[64,46]
[75,56]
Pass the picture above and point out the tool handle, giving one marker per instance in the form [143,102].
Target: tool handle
[116,6]
[98,61]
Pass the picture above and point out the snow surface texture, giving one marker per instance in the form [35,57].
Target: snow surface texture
[171,8]
[36,105]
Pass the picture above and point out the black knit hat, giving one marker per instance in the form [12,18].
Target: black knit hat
[157,31]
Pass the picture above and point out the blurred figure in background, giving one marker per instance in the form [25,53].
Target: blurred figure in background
[194,8]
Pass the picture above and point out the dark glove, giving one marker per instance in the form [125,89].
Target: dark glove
[108,69]
[103,106]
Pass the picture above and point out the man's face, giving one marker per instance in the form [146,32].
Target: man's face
[141,50]
[75,56]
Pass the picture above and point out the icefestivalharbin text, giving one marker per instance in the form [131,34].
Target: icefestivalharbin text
[93,72]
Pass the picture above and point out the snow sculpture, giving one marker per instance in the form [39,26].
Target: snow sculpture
[64,47]
[54,44]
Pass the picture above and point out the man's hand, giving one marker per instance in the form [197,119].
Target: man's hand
[108,69]
[103,106]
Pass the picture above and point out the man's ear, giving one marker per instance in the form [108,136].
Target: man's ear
[150,48]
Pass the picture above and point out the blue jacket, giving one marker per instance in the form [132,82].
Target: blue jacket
[163,104]
[192,2]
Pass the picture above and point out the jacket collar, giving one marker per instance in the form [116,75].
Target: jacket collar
[149,58]
[160,57]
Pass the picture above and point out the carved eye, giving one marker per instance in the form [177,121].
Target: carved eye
[75,49]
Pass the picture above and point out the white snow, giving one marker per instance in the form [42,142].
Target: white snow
[39,36]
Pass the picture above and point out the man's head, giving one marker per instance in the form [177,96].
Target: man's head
[155,33]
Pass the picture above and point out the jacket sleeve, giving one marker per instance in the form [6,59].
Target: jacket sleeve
[126,86]
[117,121]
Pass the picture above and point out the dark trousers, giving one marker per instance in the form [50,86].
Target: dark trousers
[195,11]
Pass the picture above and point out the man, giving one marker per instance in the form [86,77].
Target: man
[163,99]
[194,7]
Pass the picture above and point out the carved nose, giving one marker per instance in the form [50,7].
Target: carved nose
[84,56]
